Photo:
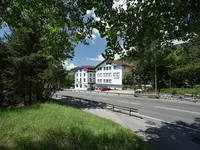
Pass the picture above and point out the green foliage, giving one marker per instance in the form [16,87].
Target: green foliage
[189,74]
[43,35]
[53,127]
[33,76]
[144,22]
[69,80]
[193,91]
[127,79]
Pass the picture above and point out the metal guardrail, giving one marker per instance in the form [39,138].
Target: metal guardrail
[106,92]
[104,104]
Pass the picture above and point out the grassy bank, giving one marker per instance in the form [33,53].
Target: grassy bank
[181,91]
[53,126]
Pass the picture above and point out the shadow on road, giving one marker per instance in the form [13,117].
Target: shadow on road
[79,104]
[177,136]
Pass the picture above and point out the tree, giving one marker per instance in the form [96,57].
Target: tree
[69,80]
[132,30]
[43,35]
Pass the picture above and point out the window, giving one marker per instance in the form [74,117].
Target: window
[109,81]
[84,74]
[94,75]
[116,75]
[76,85]
[90,75]
[90,79]
[116,67]
[104,74]
[104,80]
[99,68]
[77,74]
[84,80]
[80,80]
[99,75]
[77,79]
[81,86]
[80,74]
[110,68]
[93,79]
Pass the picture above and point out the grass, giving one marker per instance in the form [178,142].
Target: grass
[194,91]
[52,126]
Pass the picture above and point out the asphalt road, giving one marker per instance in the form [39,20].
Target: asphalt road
[160,110]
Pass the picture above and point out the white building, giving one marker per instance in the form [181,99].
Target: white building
[84,77]
[111,75]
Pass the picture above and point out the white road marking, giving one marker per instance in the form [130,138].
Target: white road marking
[182,126]
[154,118]
[178,110]
[130,102]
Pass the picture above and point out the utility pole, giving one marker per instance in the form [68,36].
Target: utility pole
[156,82]
[155,66]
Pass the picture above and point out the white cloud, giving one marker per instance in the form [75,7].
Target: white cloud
[176,42]
[95,17]
[68,66]
[95,31]
[92,13]
[88,12]
[94,36]
[117,56]
[98,58]
[118,3]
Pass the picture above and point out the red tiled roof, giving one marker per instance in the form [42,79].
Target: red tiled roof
[123,63]
[87,67]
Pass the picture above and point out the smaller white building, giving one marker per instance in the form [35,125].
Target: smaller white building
[84,77]
[111,75]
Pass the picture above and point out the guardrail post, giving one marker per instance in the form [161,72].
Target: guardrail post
[130,112]
[102,105]
[113,107]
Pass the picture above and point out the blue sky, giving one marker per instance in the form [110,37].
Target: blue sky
[89,54]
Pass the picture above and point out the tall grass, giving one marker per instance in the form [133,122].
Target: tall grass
[53,126]
[193,91]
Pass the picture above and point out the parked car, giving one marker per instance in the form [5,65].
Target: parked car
[104,89]
[91,88]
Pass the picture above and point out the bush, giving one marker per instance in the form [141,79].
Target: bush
[194,91]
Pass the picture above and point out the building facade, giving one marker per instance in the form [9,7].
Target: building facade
[85,77]
[111,75]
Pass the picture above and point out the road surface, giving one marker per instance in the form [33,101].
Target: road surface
[162,110]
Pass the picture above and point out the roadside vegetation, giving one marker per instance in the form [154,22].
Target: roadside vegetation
[52,126]
[193,91]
